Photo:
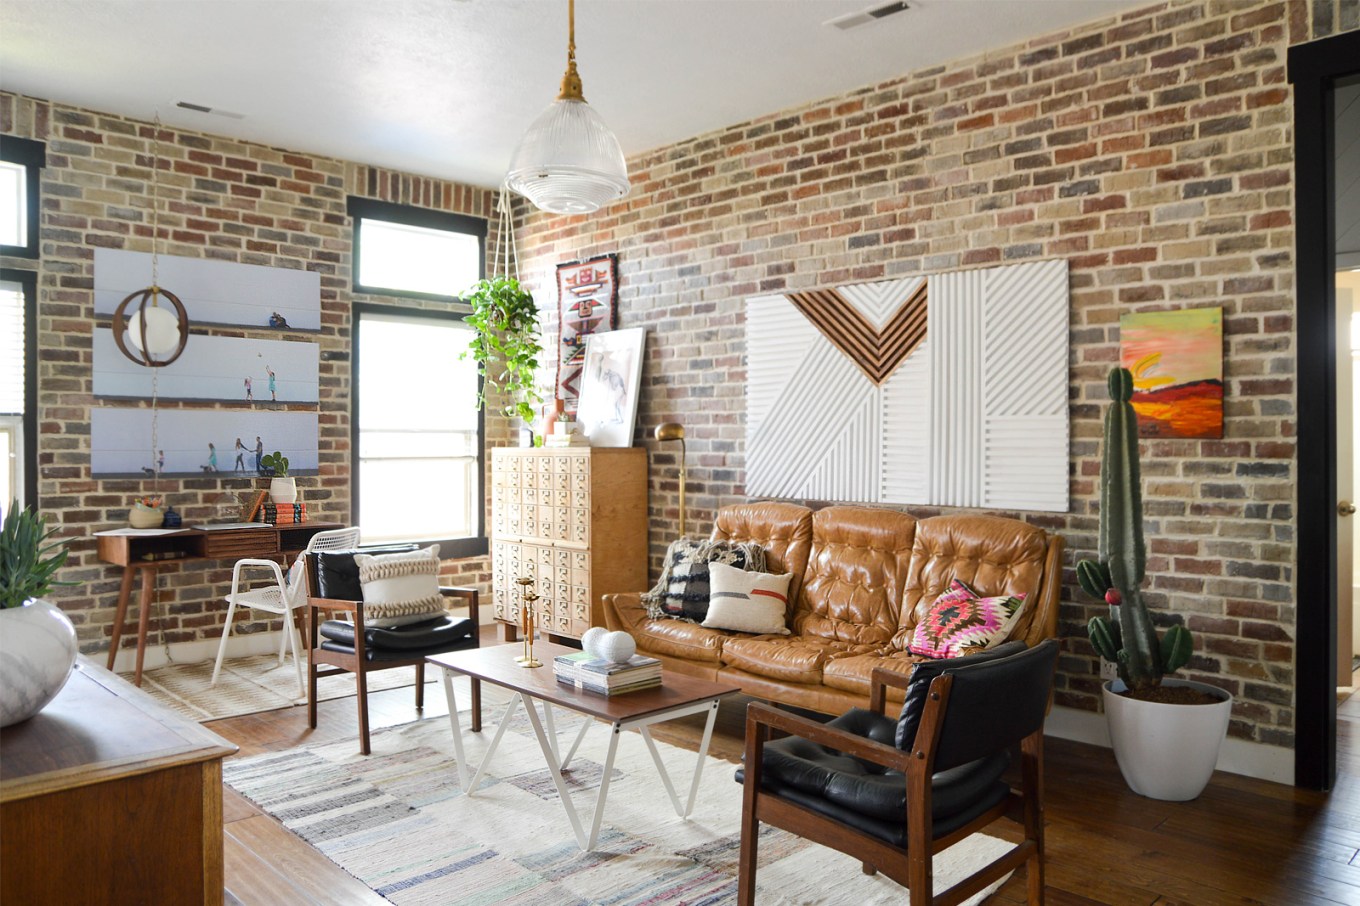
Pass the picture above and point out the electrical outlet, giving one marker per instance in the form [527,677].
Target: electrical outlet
[1109,670]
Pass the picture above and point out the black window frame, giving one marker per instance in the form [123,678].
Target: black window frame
[32,155]
[360,209]
[28,280]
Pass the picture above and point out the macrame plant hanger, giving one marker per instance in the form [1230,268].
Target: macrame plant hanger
[506,253]
[142,330]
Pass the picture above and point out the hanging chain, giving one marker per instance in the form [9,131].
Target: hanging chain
[155,209]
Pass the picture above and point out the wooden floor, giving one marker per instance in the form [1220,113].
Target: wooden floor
[1242,842]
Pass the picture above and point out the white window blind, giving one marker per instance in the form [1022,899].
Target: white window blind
[11,349]
[13,204]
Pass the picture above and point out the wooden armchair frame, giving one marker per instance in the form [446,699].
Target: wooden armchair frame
[319,609]
[912,865]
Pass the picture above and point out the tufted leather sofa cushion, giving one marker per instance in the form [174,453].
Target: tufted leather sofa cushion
[857,575]
[678,638]
[791,658]
[994,555]
[783,529]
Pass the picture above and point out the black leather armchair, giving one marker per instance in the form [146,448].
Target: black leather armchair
[347,646]
[894,792]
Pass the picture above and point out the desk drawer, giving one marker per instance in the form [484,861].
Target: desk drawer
[240,543]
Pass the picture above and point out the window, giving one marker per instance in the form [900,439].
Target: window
[418,431]
[20,161]
[414,252]
[18,388]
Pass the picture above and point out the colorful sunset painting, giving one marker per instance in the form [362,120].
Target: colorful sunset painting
[1176,358]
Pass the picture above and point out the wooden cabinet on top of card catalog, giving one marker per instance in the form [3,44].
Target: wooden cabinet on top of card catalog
[575,521]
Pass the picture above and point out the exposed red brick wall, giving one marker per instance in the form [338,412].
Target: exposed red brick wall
[222,199]
[1152,150]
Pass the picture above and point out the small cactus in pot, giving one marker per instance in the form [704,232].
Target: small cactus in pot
[1127,637]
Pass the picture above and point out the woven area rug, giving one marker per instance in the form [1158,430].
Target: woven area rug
[249,685]
[398,822]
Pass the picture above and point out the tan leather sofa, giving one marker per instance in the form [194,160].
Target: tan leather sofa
[861,579]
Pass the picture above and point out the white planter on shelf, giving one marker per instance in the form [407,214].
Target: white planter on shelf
[1164,751]
[283,490]
[37,651]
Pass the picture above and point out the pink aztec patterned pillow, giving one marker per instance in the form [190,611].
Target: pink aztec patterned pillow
[962,622]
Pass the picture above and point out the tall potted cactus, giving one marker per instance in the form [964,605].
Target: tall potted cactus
[1166,733]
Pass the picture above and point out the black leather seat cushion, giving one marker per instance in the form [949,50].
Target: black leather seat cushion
[869,797]
[414,640]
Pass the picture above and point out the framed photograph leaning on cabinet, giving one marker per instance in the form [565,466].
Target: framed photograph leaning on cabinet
[609,386]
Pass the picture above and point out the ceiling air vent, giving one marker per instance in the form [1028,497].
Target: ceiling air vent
[199,108]
[874,13]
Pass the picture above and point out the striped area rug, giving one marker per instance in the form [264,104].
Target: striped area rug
[398,822]
[249,685]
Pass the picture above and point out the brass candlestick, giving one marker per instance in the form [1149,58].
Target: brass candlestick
[526,615]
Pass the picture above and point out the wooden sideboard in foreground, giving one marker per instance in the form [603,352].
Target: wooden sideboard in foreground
[108,797]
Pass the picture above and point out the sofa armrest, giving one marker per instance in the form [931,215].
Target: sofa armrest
[1045,622]
[624,611]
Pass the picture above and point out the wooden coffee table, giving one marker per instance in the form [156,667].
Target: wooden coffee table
[678,696]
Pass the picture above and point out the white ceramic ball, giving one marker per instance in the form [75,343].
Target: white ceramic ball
[162,330]
[617,647]
[590,640]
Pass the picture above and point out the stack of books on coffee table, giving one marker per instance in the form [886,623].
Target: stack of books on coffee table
[602,677]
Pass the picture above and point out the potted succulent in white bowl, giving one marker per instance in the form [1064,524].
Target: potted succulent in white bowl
[1166,733]
[282,487]
[37,640]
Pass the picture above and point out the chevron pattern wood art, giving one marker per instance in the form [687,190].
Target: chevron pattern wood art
[847,317]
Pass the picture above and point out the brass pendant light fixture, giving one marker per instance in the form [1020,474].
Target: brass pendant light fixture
[569,162]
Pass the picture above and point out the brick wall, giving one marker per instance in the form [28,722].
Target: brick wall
[223,199]
[1151,150]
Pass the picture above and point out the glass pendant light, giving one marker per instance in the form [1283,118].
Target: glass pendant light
[569,162]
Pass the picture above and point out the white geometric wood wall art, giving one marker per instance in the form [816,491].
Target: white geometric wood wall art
[214,292]
[949,390]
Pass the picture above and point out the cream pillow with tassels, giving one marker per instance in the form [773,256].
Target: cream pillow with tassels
[400,588]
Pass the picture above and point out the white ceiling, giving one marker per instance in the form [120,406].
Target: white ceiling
[446,87]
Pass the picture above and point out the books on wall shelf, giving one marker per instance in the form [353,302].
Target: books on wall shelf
[282,513]
[602,677]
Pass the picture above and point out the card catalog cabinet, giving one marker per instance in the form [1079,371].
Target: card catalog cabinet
[575,521]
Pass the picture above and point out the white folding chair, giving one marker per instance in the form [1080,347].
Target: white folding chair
[281,597]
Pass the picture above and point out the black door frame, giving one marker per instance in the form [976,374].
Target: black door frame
[1314,69]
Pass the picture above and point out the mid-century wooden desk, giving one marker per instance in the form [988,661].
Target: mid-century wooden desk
[108,797]
[147,553]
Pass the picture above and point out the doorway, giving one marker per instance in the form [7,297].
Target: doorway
[1317,70]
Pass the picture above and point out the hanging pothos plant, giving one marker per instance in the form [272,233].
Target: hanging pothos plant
[506,347]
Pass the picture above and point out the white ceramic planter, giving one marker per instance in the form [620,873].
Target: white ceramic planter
[1166,751]
[283,490]
[37,651]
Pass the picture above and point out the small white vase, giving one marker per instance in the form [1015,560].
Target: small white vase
[37,651]
[1164,751]
[283,490]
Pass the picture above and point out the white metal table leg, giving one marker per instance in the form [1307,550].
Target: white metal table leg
[614,732]
[561,785]
[683,811]
[457,730]
[575,745]
[551,731]
[496,740]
